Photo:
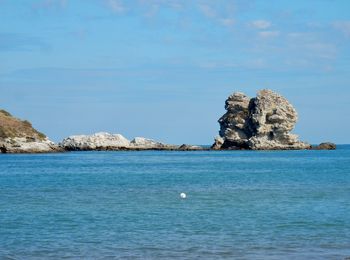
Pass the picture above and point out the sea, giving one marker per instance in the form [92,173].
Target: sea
[127,205]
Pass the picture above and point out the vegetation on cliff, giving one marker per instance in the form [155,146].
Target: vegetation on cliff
[11,127]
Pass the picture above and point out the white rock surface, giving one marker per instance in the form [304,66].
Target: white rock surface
[96,141]
[145,143]
[107,141]
[25,145]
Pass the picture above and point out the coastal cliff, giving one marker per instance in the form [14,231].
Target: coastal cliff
[19,136]
[261,123]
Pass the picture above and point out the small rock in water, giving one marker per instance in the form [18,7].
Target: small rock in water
[183,195]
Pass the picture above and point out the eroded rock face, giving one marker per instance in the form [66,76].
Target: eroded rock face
[234,124]
[19,136]
[261,123]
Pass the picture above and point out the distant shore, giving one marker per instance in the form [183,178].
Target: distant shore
[264,122]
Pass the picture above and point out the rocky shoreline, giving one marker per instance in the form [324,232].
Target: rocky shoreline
[116,142]
[264,122]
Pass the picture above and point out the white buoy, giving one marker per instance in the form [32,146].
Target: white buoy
[183,195]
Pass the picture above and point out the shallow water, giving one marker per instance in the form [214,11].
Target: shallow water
[240,204]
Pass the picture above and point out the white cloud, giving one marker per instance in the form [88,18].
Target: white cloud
[298,35]
[207,10]
[152,10]
[260,24]
[343,26]
[258,63]
[116,6]
[221,14]
[45,4]
[154,5]
[216,64]
[227,21]
[269,34]
[311,45]
[322,50]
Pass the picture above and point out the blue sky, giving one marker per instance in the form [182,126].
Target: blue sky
[163,68]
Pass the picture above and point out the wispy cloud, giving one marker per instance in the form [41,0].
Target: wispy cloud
[322,50]
[50,4]
[250,63]
[312,44]
[222,14]
[117,6]
[227,21]
[343,26]
[20,42]
[216,64]
[80,33]
[268,34]
[174,4]
[257,63]
[260,24]
[207,10]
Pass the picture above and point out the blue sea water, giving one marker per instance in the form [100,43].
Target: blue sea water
[240,205]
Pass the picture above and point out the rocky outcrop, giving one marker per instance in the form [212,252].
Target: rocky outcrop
[188,147]
[25,145]
[111,142]
[116,142]
[141,142]
[325,146]
[260,123]
[17,136]
[98,141]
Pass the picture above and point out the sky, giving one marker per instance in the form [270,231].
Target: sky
[164,68]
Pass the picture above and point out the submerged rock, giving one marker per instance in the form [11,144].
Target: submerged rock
[18,136]
[261,123]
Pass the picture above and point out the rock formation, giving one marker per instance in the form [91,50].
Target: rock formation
[106,141]
[325,146]
[98,141]
[141,142]
[17,136]
[187,147]
[260,123]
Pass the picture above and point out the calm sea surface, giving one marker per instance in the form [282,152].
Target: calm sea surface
[240,205]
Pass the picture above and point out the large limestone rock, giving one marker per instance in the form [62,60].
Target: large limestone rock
[106,141]
[17,136]
[261,123]
[98,141]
